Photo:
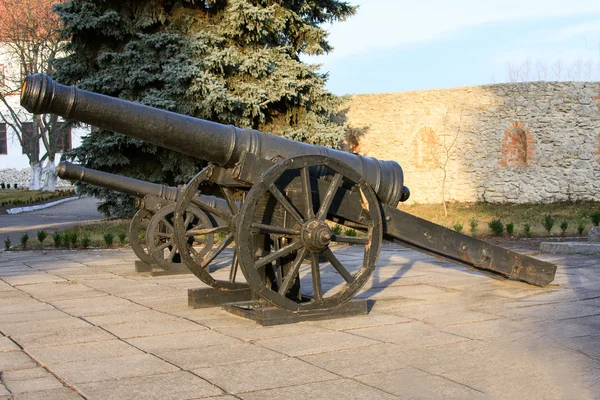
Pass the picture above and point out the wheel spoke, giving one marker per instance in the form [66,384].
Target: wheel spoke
[331,190]
[222,246]
[285,203]
[338,265]
[206,231]
[349,239]
[291,275]
[234,267]
[164,235]
[266,229]
[278,272]
[316,276]
[229,198]
[172,254]
[167,223]
[164,245]
[188,218]
[277,254]
[307,193]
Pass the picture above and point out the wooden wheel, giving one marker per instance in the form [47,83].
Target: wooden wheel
[160,236]
[137,235]
[293,208]
[184,233]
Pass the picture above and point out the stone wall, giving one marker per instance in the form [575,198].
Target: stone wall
[520,143]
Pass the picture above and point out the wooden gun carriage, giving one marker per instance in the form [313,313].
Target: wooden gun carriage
[294,195]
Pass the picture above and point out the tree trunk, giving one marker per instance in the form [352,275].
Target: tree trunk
[49,176]
[35,180]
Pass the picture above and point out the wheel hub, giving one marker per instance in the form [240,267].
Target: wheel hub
[316,235]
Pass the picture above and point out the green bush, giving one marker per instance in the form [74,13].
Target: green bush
[349,232]
[510,228]
[496,226]
[548,222]
[581,227]
[3,185]
[457,227]
[85,241]
[74,239]
[527,230]
[563,226]
[7,243]
[66,238]
[24,240]
[57,239]
[42,235]
[14,185]
[595,218]
[474,225]
[336,230]
[122,237]
[108,239]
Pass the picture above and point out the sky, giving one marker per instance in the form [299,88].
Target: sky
[399,45]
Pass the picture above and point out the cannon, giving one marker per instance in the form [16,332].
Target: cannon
[300,202]
[151,234]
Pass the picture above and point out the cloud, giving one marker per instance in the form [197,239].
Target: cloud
[390,23]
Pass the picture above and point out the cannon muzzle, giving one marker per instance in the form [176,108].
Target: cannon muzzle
[223,145]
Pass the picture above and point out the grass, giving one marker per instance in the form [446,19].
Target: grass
[11,197]
[575,213]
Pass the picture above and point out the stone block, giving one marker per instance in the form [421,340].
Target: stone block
[171,386]
[318,342]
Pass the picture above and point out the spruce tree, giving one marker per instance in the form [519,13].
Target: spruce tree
[230,61]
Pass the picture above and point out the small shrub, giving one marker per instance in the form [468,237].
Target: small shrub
[563,226]
[510,228]
[66,238]
[42,235]
[349,232]
[220,236]
[496,226]
[457,227]
[336,230]
[122,237]
[527,230]
[3,185]
[24,240]
[74,238]
[57,239]
[474,224]
[7,243]
[85,241]
[108,239]
[14,185]
[581,227]
[548,222]
[595,218]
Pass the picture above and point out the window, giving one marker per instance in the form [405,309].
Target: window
[31,143]
[63,138]
[3,142]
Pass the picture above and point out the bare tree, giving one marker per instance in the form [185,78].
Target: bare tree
[29,41]
[445,151]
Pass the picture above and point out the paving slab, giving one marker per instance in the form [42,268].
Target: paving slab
[434,330]
[335,389]
[175,386]
[96,370]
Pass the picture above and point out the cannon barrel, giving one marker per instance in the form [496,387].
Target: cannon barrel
[123,184]
[131,186]
[220,144]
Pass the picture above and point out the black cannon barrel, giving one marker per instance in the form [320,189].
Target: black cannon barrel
[123,184]
[223,145]
[134,187]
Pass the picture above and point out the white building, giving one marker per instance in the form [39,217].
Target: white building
[12,155]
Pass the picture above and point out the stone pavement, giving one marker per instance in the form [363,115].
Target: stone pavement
[84,325]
